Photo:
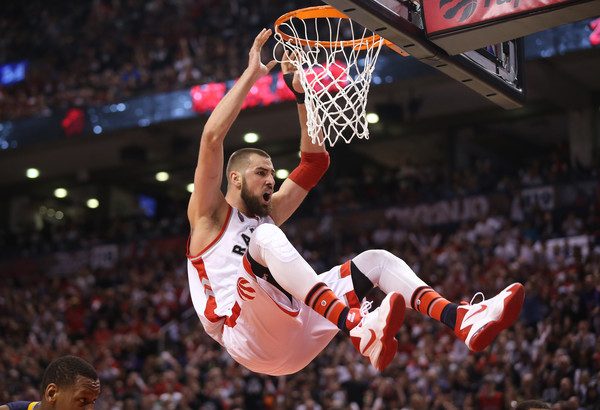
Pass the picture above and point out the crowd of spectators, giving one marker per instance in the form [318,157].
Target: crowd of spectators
[133,318]
[95,52]
[349,185]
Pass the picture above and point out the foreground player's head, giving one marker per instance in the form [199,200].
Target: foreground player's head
[250,174]
[70,383]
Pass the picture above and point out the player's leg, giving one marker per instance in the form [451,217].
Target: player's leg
[476,324]
[374,337]
[269,248]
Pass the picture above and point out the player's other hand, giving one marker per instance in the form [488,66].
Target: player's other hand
[287,66]
[255,66]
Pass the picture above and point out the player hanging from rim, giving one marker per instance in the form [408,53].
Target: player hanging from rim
[259,298]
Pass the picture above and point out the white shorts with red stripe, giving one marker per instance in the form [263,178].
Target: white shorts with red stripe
[268,333]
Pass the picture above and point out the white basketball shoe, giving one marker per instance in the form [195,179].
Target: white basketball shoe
[478,324]
[374,337]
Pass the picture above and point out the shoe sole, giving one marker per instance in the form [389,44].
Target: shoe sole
[512,308]
[392,326]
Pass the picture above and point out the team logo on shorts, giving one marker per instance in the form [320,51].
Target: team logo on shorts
[244,289]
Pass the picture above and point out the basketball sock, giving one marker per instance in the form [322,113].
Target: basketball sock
[323,301]
[428,302]
[449,315]
[392,274]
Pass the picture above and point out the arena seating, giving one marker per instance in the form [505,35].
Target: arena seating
[131,315]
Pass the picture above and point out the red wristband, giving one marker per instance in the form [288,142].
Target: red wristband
[310,170]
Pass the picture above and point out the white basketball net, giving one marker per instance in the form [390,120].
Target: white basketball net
[335,77]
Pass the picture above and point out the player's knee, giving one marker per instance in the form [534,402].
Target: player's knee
[375,256]
[376,261]
[268,233]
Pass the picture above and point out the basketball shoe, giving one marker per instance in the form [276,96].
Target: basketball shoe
[478,324]
[374,337]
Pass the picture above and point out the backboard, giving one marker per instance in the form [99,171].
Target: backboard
[475,42]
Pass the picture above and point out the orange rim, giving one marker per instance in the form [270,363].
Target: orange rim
[324,12]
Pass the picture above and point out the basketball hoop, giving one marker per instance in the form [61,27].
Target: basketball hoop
[335,58]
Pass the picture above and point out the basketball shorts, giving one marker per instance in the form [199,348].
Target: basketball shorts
[271,333]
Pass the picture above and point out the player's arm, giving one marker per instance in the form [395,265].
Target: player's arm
[314,162]
[207,197]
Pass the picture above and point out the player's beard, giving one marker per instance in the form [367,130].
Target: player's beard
[254,203]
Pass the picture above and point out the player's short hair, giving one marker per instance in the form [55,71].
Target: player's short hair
[532,404]
[240,158]
[64,371]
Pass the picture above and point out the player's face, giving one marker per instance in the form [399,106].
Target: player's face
[258,183]
[82,395]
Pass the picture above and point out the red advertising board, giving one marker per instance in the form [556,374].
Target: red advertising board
[442,15]
[483,22]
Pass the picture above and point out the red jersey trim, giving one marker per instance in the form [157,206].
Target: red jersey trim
[211,302]
[231,321]
[210,245]
[345,269]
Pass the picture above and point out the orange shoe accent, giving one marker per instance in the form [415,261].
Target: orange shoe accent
[353,319]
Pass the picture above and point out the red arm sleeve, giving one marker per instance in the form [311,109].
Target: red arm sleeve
[310,170]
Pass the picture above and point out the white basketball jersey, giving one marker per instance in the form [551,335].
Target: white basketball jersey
[260,327]
[216,267]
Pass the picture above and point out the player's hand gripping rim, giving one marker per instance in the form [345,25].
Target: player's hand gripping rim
[291,76]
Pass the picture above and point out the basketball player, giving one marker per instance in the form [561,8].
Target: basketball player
[68,383]
[259,298]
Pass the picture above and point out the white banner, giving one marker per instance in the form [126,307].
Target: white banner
[442,212]
[566,245]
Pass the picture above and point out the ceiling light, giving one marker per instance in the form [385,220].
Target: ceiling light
[162,176]
[372,118]
[60,192]
[32,173]
[251,137]
[92,203]
[282,173]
